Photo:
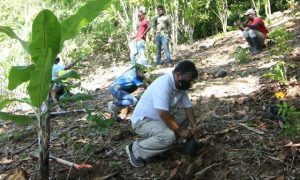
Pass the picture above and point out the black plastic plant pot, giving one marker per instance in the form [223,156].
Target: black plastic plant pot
[274,114]
[191,146]
[222,74]
[116,118]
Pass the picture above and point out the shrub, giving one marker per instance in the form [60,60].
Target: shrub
[278,73]
[100,122]
[291,124]
[241,55]
[279,39]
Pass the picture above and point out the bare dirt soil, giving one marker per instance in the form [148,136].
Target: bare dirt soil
[239,140]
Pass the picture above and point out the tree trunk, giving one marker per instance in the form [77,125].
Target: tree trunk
[191,34]
[124,20]
[268,8]
[176,24]
[44,139]
[222,14]
[256,6]
[124,9]
[253,3]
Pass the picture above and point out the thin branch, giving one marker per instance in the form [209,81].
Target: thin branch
[21,150]
[252,129]
[289,145]
[205,169]
[109,176]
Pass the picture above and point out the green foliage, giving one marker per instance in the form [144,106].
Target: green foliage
[279,38]
[278,73]
[141,68]
[268,21]
[18,75]
[72,25]
[151,52]
[237,10]
[151,77]
[75,98]
[44,46]
[40,80]
[47,39]
[70,74]
[101,123]
[291,126]
[5,102]
[90,148]
[291,3]
[241,55]
[18,119]
[45,34]
[15,136]
[9,32]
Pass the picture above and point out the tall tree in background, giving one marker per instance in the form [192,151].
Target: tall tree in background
[191,19]
[268,11]
[256,5]
[220,9]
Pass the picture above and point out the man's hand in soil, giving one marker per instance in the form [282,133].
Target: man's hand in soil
[185,133]
[195,131]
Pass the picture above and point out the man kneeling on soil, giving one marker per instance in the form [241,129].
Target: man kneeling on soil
[58,89]
[122,87]
[255,32]
[157,118]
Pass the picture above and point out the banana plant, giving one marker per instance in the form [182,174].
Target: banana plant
[279,73]
[47,39]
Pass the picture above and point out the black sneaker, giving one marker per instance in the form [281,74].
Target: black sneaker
[136,162]
[256,51]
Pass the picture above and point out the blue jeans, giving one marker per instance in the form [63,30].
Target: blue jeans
[162,41]
[123,97]
[140,50]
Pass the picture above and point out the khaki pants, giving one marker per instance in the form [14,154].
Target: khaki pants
[157,136]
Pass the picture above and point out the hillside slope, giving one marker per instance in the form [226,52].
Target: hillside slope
[239,140]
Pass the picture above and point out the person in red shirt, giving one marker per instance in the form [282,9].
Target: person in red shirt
[255,32]
[138,45]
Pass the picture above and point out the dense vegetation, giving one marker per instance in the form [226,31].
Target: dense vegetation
[192,19]
[47,28]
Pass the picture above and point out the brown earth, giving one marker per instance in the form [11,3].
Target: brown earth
[239,140]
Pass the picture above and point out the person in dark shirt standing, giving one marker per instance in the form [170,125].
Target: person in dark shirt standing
[255,32]
[162,35]
[138,46]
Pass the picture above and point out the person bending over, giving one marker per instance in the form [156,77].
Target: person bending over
[122,87]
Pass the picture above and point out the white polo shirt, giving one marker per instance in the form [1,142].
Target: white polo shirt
[161,94]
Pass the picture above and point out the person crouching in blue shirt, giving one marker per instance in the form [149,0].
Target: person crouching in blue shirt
[122,87]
